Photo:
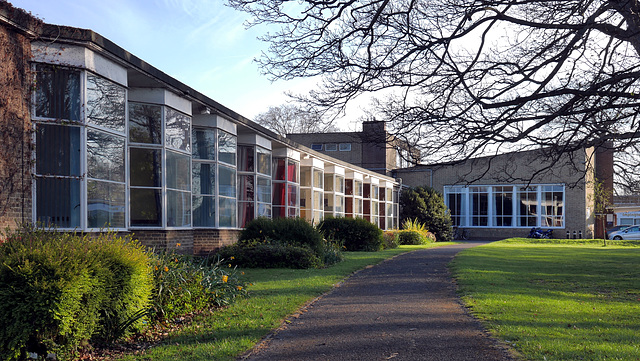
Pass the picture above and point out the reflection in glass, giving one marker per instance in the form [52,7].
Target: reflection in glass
[146,207]
[279,169]
[105,204]
[263,190]
[204,144]
[203,178]
[57,150]
[246,211]
[227,145]
[105,156]
[246,187]
[178,209]
[227,181]
[264,161]
[292,171]
[204,211]
[246,158]
[145,167]
[105,103]
[178,166]
[58,202]
[145,123]
[227,212]
[57,93]
[177,130]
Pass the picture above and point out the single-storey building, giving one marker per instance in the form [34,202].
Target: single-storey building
[95,138]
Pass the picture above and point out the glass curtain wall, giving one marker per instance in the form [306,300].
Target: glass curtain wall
[80,139]
[285,187]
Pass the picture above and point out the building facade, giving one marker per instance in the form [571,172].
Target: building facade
[106,141]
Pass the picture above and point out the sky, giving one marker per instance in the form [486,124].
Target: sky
[202,43]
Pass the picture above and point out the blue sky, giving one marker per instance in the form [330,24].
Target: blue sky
[202,43]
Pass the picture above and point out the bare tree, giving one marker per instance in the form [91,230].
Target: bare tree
[463,78]
[287,119]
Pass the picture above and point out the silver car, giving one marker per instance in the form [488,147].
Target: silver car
[632,232]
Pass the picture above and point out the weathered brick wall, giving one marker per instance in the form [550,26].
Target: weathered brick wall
[15,123]
[180,241]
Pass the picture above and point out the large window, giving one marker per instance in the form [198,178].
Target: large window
[254,187]
[213,165]
[506,206]
[159,166]
[285,196]
[80,149]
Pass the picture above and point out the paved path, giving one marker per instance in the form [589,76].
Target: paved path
[402,309]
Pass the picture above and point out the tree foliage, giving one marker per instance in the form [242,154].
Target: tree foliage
[426,205]
[288,118]
[463,78]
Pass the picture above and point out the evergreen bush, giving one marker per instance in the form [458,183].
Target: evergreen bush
[258,254]
[355,234]
[408,237]
[288,231]
[426,206]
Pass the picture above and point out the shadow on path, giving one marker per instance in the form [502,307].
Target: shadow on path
[405,308]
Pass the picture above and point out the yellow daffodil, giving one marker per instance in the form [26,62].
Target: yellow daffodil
[225,278]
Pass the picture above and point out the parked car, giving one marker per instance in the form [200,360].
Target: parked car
[632,232]
[614,229]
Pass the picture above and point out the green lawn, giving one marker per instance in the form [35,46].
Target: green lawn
[559,300]
[275,294]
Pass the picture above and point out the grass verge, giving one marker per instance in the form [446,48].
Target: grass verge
[274,295]
[556,299]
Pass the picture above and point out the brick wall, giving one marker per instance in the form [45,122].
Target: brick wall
[15,122]
[207,240]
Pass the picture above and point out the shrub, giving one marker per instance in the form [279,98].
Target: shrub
[426,205]
[288,231]
[390,239]
[408,237]
[258,254]
[56,291]
[185,284]
[356,234]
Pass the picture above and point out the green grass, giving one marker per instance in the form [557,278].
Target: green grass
[556,299]
[275,294]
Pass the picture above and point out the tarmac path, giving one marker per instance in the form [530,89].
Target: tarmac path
[405,308]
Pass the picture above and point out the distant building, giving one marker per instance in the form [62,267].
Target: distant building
[373,148]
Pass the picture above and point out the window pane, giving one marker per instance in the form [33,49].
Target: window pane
[246,158]
[279,194]
[227,180]
[263,210]
[204,144]
[318,197]
[105,205]
[57,150]
[479,206]
[178,167]
[292,171]
[105,156]
[279,212]
[105,103]
[552,206]
[177,130]
[178,209]
[345,147]
[528,209]
[264,161]
[331,147]
[145,123]
[339,184]
[203,178]
[328,182]
[57,93]
[246,187]
[145,167]
[146,207]
[246,213]
[318,178]
[279,169]
[264,190]
[58,202]
[226,147]
[204,211]
[503,197]
[227,212]
[292,191]
[305,176]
